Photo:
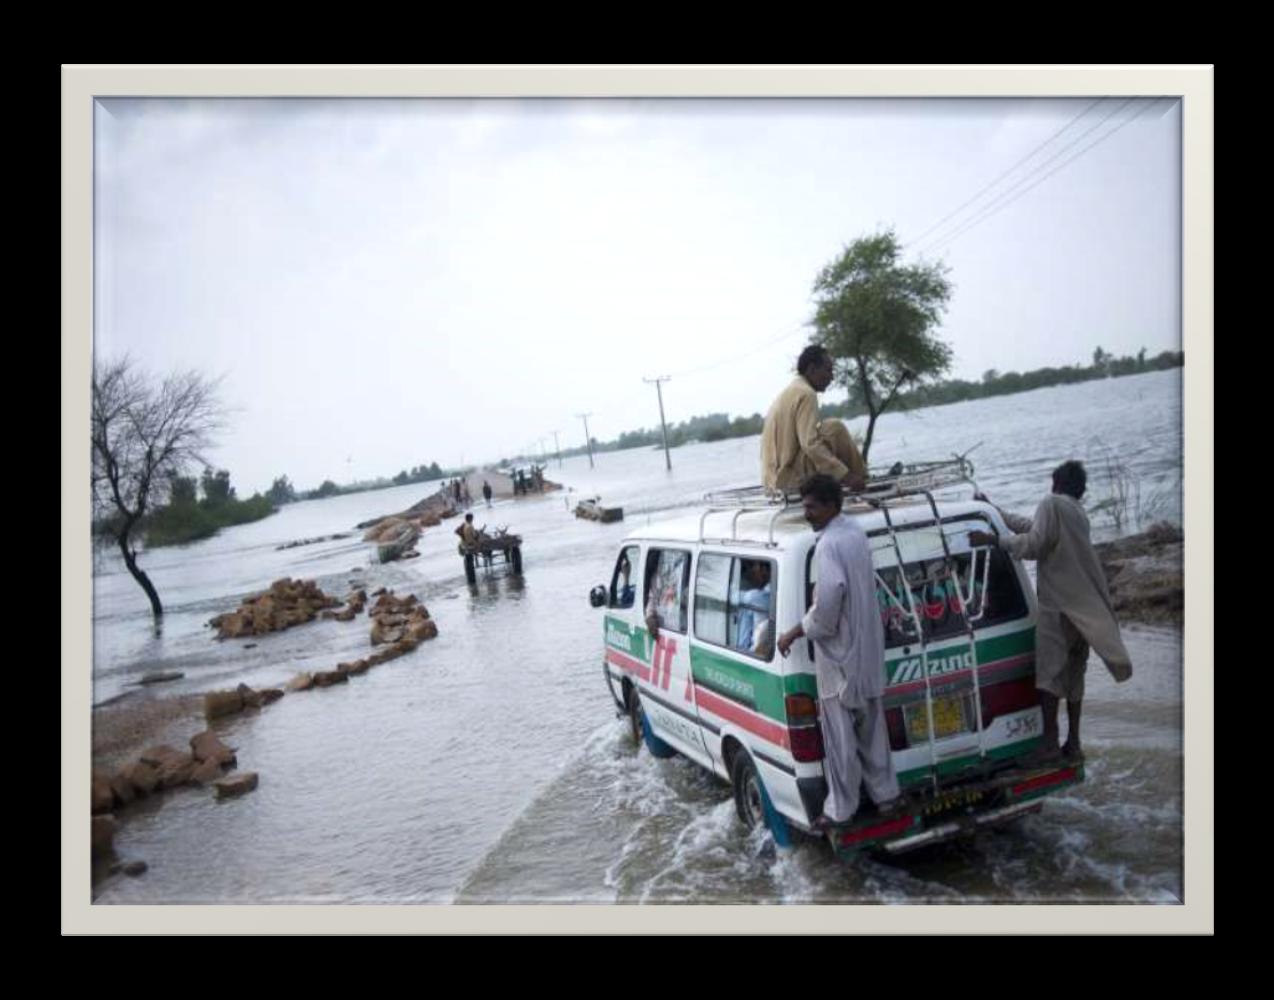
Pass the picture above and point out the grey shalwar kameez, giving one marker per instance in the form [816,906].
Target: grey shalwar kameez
[849,665]
[1074,603]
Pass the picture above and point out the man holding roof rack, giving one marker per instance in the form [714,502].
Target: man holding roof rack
[1075,610]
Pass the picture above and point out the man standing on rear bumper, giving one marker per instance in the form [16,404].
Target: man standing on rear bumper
[849,658]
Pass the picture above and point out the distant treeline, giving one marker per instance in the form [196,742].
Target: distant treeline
[188,518]
[718,426]
[996,384]
[282,491]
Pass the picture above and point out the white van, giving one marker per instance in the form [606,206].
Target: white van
[960,698]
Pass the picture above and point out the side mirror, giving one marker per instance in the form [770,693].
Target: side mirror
[597,596]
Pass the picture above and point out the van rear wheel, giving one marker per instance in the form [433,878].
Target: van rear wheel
[752,802]
[747,791]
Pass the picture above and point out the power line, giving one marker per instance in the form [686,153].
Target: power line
[1004,200]
[1000,200]
[983,190]
[736,357]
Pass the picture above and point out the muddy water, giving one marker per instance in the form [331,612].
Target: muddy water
[488,765]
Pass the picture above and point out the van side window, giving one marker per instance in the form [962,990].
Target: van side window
[668,587]
[623,585]
[734,603]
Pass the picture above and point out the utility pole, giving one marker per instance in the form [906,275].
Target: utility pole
[557,450]
[588,441]
[663,426]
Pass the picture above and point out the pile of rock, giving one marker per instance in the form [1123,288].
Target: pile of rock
[386,529]
[399,625]
[157,769]
[288,602]
[354,604]
[219,703]
[309,541]
[1145,575]
[399,620]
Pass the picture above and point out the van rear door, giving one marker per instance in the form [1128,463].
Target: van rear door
[959,662]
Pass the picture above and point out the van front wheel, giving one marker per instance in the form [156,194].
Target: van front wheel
[634,716]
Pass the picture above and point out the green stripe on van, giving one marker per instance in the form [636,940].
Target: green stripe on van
[763,690]
[754,687]
[636,642]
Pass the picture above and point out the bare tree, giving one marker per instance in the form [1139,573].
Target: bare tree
[144,434]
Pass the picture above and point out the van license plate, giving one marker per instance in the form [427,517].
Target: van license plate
[948,720]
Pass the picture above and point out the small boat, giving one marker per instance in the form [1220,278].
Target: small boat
[594,511]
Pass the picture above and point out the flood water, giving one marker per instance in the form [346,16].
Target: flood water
[488,765]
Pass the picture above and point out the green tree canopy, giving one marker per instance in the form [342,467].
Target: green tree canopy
[281,492]
[216,486]
[875,315]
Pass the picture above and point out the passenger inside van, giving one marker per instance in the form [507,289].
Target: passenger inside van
[754,602]
[625,588]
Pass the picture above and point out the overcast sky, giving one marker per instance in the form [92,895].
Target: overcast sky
[388,283]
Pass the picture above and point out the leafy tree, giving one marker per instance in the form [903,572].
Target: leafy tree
[875,316]
[182,490]
[281,492]
[216,487]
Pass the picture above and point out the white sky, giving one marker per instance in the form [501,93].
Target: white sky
[386,283]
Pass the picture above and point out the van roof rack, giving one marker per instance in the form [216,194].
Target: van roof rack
[900,480]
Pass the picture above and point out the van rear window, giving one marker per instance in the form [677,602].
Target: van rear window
[934,597]
[985,582]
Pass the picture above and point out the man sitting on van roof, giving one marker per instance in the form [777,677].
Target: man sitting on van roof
[1075,611]
[849,659]
[795,444]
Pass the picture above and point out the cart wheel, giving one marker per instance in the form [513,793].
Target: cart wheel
[517,560]
[470,570]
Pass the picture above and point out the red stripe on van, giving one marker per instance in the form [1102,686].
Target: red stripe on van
[629,664]
[757,725]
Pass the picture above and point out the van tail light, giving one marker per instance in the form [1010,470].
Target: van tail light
[802,710]
[804,735]
[1006,697]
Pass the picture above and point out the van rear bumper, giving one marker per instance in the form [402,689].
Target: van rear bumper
[957,810]
[963,825]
